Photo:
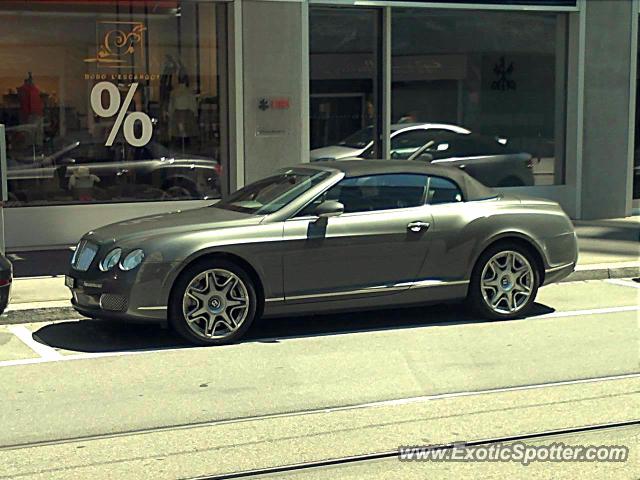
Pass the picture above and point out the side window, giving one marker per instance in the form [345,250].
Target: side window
[442,190]
[376,192]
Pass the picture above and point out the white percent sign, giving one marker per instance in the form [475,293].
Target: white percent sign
[114,109]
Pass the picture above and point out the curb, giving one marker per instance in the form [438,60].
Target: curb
[604,271]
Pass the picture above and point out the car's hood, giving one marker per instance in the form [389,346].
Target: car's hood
[143,228]
[334,152]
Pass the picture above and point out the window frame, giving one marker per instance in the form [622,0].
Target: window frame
[462,195]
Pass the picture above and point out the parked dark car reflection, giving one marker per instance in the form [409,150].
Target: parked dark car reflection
[88,171]
[489,159]
[326,237]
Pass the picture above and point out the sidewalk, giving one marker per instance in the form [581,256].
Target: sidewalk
[608,249]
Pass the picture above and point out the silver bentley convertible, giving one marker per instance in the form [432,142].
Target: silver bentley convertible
[326,237]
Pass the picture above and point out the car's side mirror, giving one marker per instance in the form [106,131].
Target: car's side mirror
[329,208]
[425,157]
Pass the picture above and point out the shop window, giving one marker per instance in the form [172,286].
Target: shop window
[499,75]
[113,101]
[636,160]
[345,47]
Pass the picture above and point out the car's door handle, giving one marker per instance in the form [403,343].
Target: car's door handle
[418,226]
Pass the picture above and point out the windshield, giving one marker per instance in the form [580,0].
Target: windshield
[360,139]
[272,193]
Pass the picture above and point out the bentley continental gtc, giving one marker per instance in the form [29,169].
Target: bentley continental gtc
[326,237]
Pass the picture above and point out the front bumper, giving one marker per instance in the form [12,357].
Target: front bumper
[137,296]
[5,294]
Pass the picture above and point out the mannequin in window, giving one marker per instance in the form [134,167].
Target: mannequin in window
[82,183]
[32,109]
[183,113]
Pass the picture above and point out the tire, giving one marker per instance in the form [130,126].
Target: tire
[180,188]
[511,182]
[500,290]
[220,312]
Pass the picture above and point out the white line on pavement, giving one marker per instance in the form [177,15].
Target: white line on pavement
[81,356]
[85,356]
[595,311]
[622,282]
[24,334]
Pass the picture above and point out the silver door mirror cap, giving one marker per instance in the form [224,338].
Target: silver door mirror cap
[329,208]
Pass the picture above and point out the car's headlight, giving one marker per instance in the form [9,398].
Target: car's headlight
[132,260]
[110,260]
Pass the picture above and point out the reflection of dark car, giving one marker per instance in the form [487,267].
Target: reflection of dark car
[488,159]
[326,237]
[120,172]
[406,138]
[5,282]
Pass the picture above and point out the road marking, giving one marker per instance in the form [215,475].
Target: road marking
[622,282]
[595,311]
[24,334]
[81,356]
[14,307]
[84,356]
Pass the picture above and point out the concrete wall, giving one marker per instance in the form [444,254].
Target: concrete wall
[275,69]
[606,162]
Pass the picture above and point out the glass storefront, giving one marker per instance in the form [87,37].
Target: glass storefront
[481,90]
[345,49]
[113,101]
[636,151]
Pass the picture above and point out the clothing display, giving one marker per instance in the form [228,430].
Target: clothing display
[32,110]
[30,102]
[183,113]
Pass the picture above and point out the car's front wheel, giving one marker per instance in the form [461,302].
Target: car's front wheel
[504,282]
[213,303]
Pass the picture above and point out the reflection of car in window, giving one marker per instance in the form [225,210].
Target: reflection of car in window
[120,173]
[490,160]
[407,137]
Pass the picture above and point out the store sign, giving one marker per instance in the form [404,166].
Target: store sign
[280,103]
[119,42]
[273,119]
[334,66]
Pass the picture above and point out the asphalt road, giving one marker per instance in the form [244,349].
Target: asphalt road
[85,399]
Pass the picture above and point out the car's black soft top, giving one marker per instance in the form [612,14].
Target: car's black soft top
[472,189]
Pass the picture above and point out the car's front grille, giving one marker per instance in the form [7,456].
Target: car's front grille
[114,303]
[84,255]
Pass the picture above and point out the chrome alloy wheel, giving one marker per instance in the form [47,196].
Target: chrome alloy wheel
[507,282]
[215,304]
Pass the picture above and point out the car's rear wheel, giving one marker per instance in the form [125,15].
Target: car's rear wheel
[213,303]
[504,282]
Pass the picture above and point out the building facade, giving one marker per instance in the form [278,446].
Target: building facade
[117,109]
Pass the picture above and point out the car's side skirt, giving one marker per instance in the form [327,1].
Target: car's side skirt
[426,291]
